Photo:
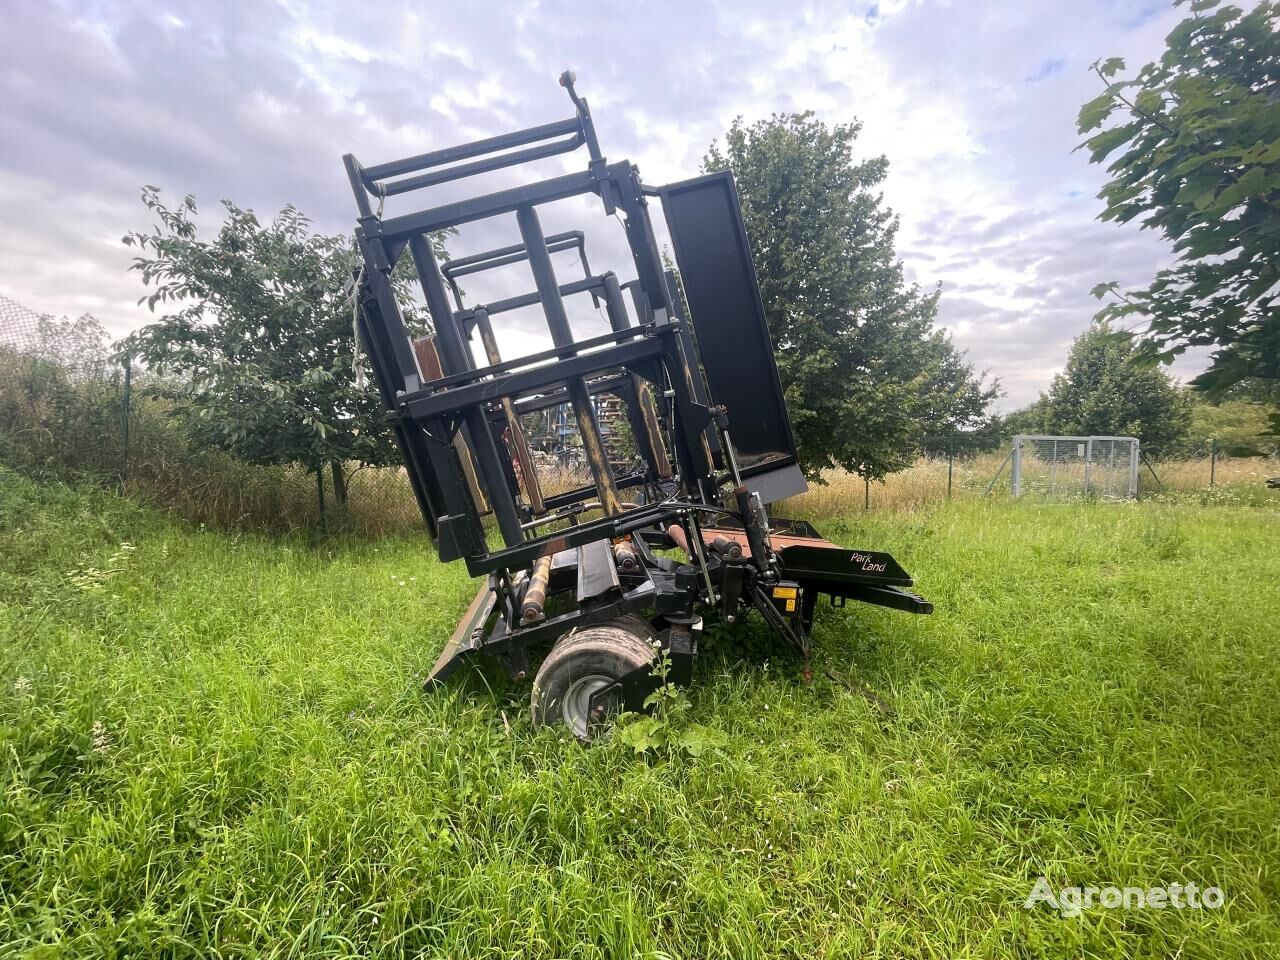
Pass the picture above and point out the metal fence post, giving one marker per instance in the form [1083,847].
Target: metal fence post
[1088,465]
[1213,461]
[1135,454]
[866,493]
[124,420]
[320,491]
[950,460]
[1017,466]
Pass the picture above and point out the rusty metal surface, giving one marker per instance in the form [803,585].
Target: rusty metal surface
[624,553]
[649,416]
[592,448]
[535,598]
[464,639]
[519,443]
[424,348]
[777,541]
[730,549]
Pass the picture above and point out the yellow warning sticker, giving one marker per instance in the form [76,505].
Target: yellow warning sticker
[791,606]
[782,592]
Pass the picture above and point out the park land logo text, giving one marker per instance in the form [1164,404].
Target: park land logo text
[1072,901]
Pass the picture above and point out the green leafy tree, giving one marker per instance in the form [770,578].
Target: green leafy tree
[1103,392]
[256,353]
[866,375]
[1243,428]
[1196,141]
[1033,418]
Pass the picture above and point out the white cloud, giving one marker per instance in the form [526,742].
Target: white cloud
[974,105]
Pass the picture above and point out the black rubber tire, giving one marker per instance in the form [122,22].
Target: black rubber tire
[635,623]
[580,662]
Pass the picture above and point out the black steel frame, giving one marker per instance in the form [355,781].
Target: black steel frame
[427,415]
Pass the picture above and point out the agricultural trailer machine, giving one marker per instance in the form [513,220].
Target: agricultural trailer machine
[618,571]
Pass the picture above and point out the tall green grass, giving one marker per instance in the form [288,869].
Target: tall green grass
[215,745]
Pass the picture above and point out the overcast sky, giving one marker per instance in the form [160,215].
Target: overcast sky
[973,102]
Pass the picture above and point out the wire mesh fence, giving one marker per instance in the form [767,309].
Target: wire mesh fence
[63,400]
[1065,466]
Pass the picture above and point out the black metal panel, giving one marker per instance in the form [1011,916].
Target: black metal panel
[719,280]
[597,572]
[829,563]
[776,483]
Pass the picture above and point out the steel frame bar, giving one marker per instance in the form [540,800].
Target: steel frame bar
[515,253]
[486,165]
[555,353]
[480,208]
[521,382]
[586,284]
[544,278]
[456,358]
[434,158]
[642,409]
[519,442]
[584,493]
[532,404]
[608,527]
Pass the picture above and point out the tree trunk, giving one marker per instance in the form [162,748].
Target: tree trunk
[339,483]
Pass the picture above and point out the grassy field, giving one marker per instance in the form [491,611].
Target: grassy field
[215,745]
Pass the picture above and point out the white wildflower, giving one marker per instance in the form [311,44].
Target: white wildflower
[101,740]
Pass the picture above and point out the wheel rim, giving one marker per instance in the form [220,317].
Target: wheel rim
[577,702]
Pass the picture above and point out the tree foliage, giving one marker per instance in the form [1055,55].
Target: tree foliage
[866,375]
[1102,392]
[1242,428]
[1033,418]
[61,402]
[1196,141]
[257,350]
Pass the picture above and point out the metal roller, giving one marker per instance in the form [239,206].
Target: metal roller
[535,597]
